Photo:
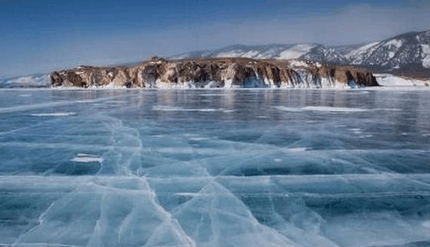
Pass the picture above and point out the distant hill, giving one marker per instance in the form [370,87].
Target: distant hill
[405,54]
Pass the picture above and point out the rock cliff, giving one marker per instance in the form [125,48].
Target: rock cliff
[216,73]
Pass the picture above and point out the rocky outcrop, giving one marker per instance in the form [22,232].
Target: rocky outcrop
[216,73]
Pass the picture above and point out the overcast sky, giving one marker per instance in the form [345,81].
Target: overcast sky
[42,36]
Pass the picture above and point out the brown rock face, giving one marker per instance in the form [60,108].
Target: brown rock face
[219,72]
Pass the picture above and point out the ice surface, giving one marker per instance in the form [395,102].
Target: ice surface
[214,168]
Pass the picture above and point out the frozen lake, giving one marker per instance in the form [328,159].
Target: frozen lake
[214,168]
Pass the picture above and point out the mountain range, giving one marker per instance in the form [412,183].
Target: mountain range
[406,54]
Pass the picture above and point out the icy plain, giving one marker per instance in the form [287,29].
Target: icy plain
[214,168]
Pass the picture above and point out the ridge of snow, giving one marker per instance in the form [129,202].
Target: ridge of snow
[394,42]
[363,49]
[296,51]
[234,53]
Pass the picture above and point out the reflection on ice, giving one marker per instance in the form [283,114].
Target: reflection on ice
[167,108]
[54,114]
[195,168]
[321,108]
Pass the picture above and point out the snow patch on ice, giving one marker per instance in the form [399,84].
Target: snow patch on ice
[55,114]
[297,149]
[356,130]
[333,109]
[85,158]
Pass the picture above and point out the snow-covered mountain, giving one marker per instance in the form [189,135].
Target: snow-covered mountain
[409,52]
[274,51]
[29,81]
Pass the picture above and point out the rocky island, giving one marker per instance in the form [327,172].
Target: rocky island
[217,73]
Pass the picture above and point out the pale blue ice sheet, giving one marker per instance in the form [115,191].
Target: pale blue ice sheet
[214,168]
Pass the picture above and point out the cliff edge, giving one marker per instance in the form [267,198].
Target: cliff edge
[216,73]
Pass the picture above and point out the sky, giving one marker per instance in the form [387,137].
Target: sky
[41,36]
